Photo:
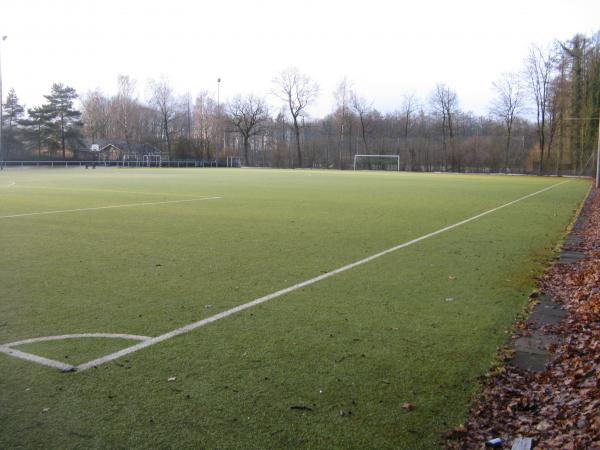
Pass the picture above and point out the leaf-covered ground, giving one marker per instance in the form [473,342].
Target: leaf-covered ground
[559,407]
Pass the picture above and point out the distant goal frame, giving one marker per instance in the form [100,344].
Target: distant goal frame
[152,160]
[232,159]
[396,157]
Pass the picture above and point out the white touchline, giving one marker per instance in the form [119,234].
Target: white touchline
[118,191]
[295,287]
[126,205]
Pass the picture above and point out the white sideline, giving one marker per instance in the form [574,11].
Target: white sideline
[117,191]
[295,287]
[126,205]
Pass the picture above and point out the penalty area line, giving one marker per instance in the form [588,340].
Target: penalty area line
[195,325]
[125,205]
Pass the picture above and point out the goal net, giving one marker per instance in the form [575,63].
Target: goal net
[377,162]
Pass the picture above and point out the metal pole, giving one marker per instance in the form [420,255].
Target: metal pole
[1,100]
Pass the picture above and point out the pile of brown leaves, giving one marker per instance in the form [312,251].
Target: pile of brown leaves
[560,407]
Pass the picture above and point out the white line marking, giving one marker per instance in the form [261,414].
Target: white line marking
[37,359]
[295,287]
[9,185]
[133,337]
[118,191]
[126,205]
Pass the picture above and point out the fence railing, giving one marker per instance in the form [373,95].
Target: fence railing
[93,164]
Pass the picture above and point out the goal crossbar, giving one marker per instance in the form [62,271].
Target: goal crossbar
[396,157]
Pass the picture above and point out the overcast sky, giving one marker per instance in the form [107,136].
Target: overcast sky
[387,48]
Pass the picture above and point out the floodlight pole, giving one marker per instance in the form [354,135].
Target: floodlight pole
[1,101]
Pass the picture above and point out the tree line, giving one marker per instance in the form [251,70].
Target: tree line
[543,119]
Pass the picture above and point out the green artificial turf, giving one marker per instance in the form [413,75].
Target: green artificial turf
[327,366]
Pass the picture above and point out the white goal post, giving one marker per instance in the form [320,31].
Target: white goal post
[152,160]
[395,160]
[234,161]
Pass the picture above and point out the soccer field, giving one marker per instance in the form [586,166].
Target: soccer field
[125,265]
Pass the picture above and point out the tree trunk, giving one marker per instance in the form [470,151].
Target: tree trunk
[39,142]
[507,151]
[444,147]
[341,144]
[364,135]
[167,138]
[541,165]
[246,160]
[62,136]
[452,150]
[298,149]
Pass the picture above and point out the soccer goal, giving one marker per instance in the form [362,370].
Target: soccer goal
[377,162]
[234,161]
[152,160]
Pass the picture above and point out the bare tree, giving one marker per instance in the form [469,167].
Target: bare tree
[248,116]
[298,91]
[362,108]
[163,100]
[445,103]
[205,121]
[539,67]
[506,105]
[95,114]
[409,106]
[125,103]
[342,96]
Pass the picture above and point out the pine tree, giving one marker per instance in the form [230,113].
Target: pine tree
[12,109]
[11,113]
[38,127]
[64,116]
